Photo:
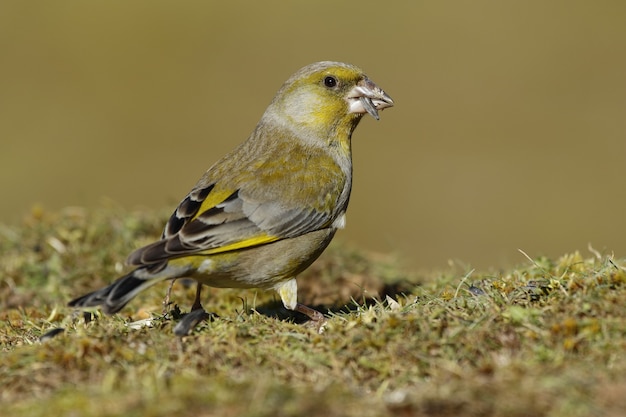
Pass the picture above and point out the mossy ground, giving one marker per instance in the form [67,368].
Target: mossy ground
[544,339]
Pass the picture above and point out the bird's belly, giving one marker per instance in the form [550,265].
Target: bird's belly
[262,266]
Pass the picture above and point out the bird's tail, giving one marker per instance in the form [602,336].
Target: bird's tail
[115,296]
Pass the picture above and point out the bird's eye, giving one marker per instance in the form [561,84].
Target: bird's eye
[330,81]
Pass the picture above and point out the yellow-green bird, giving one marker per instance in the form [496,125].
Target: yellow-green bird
[264,212]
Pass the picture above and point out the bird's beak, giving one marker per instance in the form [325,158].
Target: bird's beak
[366,97]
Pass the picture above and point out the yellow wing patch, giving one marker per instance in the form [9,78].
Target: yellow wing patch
[244,244]
[215,197]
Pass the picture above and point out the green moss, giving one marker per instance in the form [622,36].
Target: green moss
[543,339]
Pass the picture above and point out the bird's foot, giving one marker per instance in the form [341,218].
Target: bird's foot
[317,322]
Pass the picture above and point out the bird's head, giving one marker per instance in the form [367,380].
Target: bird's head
[327,99]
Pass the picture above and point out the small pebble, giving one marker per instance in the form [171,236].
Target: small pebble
[476,290]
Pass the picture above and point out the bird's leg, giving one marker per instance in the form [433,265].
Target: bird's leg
[288,291]
[197,305]
[311,313]
[191,319]
[317,319]
[166,300]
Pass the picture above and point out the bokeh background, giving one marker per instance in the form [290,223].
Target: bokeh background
[509,129]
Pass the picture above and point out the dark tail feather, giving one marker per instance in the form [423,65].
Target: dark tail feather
[114,297]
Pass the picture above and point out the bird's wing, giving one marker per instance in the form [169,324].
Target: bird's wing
[210,221]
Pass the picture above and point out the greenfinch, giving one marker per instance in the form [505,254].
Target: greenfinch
[264,212]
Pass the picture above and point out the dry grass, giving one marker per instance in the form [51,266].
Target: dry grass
[545,339]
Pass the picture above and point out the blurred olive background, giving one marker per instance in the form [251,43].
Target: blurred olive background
[509,129]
